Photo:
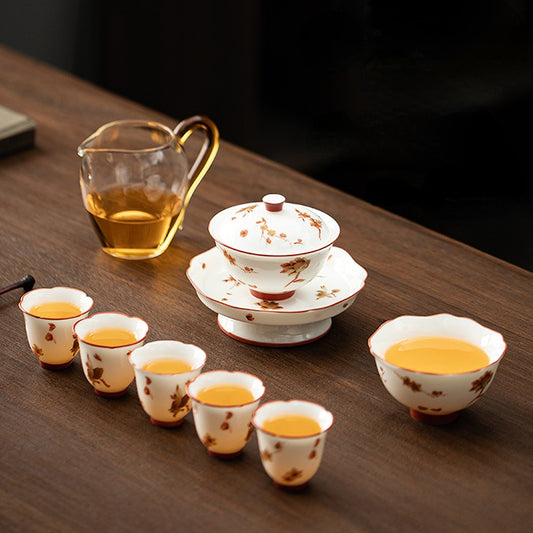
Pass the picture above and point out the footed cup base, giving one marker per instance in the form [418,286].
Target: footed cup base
[270,296]
[224,455]
[165,424]
[55,366]
[105,394]
[292,488]
[434,420]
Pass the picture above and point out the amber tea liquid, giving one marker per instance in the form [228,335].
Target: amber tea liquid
[55,310]
[437,355]
[292,425]
[225,395]
[167,365]
[134,222]
[110,337]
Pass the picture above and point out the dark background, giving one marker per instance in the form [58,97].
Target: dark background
[422,107]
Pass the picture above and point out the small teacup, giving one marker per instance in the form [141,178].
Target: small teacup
[49,315]
[292,458]
[105,341]
[223,423]
[162,370]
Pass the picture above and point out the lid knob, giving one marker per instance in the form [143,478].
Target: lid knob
[273,202]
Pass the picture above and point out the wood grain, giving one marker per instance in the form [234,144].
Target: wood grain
[71,461]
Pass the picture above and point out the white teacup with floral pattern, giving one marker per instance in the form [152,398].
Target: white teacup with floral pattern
[273,247]
[224,429]
[291,461]
[436,398]
[163,395]
[50,338]
[107,368]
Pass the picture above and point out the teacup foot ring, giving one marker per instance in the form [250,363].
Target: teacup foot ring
[54,366]
[224,455]
[434,420]
[270,296]
[164,424]
[292,488]
[105,394]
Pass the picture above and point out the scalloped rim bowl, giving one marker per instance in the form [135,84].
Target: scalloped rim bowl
[291,461]
[52,339]
[107,368]
[436,398]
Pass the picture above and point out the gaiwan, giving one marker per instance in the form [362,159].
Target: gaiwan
[274,247]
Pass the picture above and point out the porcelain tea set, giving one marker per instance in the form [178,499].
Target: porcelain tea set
[275,278]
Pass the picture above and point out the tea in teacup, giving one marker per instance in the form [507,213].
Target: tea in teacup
[291,425]
[167,365]
[53,310]
[162,370]
[110,337]
[291,436]
[49,315]
[437,355]
[225,395]
[106,340]
[223,405]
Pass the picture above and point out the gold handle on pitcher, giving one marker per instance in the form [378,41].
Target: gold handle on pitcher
[205,157]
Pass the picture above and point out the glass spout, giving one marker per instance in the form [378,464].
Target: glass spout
[134,136]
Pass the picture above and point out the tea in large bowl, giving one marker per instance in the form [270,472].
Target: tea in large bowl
[436,365]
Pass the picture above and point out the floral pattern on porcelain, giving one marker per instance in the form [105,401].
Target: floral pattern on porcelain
[331,292]
[224,430]
[51,340]
[266,243]
[95,373]
[40,353]
[179,403]
[291,461]
[269,233]
[163,396]
[113,359]
[445,394]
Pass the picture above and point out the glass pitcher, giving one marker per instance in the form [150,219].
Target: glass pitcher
[136,184]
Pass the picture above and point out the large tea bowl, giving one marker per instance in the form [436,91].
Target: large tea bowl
[436,398]
[273,247]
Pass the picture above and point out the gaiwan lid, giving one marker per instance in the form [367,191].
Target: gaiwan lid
[273,227]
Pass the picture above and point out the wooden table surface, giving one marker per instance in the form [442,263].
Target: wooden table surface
[73,461]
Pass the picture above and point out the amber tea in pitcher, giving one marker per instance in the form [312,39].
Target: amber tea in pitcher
[127,223]
[135,182]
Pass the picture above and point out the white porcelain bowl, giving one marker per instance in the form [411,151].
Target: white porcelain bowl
[291,461]
[108,368]
[273,247]
[162,395]
[52,339]
[224,429]
[436,398]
